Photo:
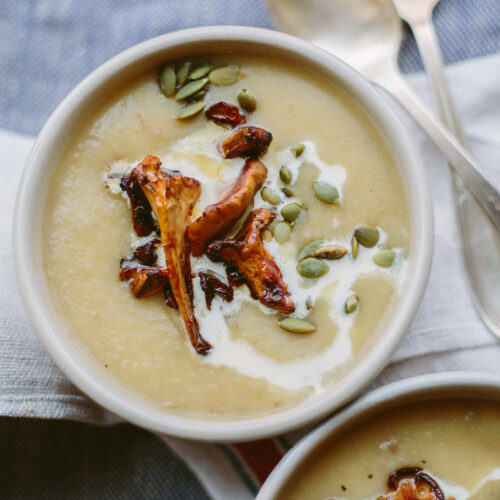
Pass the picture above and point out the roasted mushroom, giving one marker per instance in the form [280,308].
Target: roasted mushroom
[224,113]
[248,254]
[213,285]
[245,141]
[412,483]
[172,198]
[234,276]
[144,280]
[146,254]
[168,297]
[142,217]
[217,219]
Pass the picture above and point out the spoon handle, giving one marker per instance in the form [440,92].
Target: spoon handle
[431,55]
[480,241]
[468,169]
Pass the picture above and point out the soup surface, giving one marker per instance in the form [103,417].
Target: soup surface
[254,366]
[456,442]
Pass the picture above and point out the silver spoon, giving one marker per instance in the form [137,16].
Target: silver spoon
[480,241]
[367,34]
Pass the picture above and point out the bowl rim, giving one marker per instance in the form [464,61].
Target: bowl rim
[31,280]
[447,385]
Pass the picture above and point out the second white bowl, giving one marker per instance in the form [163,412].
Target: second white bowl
[442,386]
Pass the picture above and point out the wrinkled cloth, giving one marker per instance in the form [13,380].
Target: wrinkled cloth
[47,47]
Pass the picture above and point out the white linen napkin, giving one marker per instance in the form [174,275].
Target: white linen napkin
[445,335]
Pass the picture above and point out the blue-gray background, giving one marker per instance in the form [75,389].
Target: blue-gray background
[48,46]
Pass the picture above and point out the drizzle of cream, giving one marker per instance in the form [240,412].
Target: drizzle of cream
[387,445]
[243,357]
[197,156]
[331,174]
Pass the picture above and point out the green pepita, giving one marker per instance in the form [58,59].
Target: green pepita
[354,246]
[351,304]
[168,80]
[285,175]
[282,232]
[183,72]
[199,95]
[288,192]
[312,268]
[190,110]
[297,150]
[308,249]
[267,235]
[271,196]
[226,75]
[330,252]
[367,236]
[384,258]
[190,89]
[296,325]
[291,212]
[247,101]
[325,192]
[200,71]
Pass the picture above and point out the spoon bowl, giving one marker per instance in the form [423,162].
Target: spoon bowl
[366,33]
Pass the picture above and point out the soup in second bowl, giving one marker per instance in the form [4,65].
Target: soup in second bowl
[435,450]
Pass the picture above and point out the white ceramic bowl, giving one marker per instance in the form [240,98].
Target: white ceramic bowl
[440,386]
[45,155]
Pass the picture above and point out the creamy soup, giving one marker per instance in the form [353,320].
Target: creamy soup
[456,442]
[255,364]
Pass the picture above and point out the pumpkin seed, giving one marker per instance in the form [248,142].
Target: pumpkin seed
[354,246]
[351,304]
[168,80]
[190,110]
[312,268]
[190,89]
[297,150]
[325,192]
[297,325]
[200,71]
[226,75]
[288,192]
[330,252]
[367,236]
[282,232]
[308,249]
[183,72]
[384,258]
[271,196]
[291,212]
[267,235]
[247,101]
[285,175]
[199,95]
